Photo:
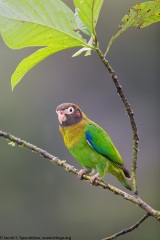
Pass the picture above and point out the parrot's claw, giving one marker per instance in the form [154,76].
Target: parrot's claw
[94,178]
[82,172]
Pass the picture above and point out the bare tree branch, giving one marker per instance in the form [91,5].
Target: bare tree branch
[130,115]
[127,230]
[133,199]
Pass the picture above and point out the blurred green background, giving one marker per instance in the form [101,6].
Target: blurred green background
[38,198]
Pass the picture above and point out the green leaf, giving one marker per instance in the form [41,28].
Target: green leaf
[146,13]
[88,12]
[34,23]
[80,24]
[29,62]
[38,23]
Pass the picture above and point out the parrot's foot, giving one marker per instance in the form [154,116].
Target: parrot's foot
[82,172]
[94,178]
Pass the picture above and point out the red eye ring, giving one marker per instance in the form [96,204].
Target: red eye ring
[77,114]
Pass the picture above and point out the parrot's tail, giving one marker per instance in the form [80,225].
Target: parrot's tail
[125,184]
[127,173]
[122,173]
[122,178]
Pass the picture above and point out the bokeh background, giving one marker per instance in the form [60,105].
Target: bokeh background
[38,198]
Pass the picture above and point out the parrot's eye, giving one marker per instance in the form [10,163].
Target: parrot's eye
[70,110]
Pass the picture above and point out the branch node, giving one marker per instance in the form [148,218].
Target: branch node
[61,163]
[69,168]
[136,194]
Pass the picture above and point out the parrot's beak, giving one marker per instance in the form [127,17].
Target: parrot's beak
[61,116]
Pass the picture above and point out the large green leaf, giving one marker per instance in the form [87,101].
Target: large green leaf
[88,12]
[144,14]
[29,62]
[38,23]
[86,15]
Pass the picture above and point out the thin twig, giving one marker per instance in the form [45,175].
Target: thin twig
[130,115]
[127,230]
[69,168]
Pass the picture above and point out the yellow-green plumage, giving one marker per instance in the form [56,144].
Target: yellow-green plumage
[90,144]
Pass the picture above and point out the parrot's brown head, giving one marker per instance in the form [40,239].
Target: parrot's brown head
[68,114]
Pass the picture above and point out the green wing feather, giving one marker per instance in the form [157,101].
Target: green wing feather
[99,140]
